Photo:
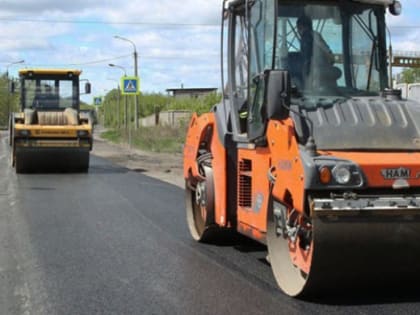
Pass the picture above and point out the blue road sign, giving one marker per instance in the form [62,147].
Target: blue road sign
[131,85]
[97,100]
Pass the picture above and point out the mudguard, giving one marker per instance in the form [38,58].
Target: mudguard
[202,138]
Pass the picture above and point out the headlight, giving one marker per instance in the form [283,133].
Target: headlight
[341,174]
[338,173]
[24,133]
[82,133]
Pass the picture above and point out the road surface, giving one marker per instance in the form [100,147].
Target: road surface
[115,241]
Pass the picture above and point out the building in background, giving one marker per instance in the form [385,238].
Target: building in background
[409,91]
[190,92]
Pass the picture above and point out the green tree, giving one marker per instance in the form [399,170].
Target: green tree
[8,101]
[156,138]
[410,75]
[151,103]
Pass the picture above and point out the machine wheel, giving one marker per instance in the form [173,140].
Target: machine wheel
[286,254]
[19,164]
[199,198]
[82,164]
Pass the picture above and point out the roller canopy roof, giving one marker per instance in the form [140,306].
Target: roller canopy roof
[50,71]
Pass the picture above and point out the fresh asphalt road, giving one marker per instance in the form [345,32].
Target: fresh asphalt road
[115,241]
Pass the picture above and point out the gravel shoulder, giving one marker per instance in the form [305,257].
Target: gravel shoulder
[163,166]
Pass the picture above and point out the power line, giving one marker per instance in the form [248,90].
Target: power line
[14,19]
[83,63]
[405,26]
[25,19]
[99,61]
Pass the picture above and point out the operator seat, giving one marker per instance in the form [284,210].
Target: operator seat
[328,77]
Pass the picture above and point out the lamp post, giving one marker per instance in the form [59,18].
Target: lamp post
[104,108]
[7,79]
[125,96]
[136,105]
[120,67]
[11,64]
[118,101]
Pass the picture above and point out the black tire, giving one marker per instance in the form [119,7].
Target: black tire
[19,163]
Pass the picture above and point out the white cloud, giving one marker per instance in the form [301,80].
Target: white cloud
[170,52]
[167,53]
[160,11]
[42,6]
[407,46]
[186,12]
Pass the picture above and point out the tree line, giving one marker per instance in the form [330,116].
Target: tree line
[112,110]
[8,102]
[410,75]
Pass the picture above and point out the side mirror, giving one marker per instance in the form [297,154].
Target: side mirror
[277,94]
[395,8]
[87,88]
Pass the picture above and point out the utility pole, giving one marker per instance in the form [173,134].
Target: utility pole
[136,105]
[136,100]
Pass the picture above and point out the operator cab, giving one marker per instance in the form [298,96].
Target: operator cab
[45,96]
[50,89]
[346,56]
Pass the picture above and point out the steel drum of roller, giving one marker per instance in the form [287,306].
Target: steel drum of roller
[51,160]
[352,248]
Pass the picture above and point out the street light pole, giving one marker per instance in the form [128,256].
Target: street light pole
[103,104]
[11,64]
[136,106]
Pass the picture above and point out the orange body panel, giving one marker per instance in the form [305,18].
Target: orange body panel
[301,257]
[200,128]
[372,164]
[282,156]
[253,190]
[192,142]
[289,185]
[220,176]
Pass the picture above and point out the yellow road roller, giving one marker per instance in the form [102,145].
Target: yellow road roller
[49,134]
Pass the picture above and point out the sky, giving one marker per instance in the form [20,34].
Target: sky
[178,42]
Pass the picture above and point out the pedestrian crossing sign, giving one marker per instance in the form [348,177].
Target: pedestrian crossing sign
[97,100]
[131,85]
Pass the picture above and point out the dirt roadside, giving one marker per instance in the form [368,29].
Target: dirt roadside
[163,166]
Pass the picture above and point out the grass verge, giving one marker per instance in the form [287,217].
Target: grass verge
[162,139]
